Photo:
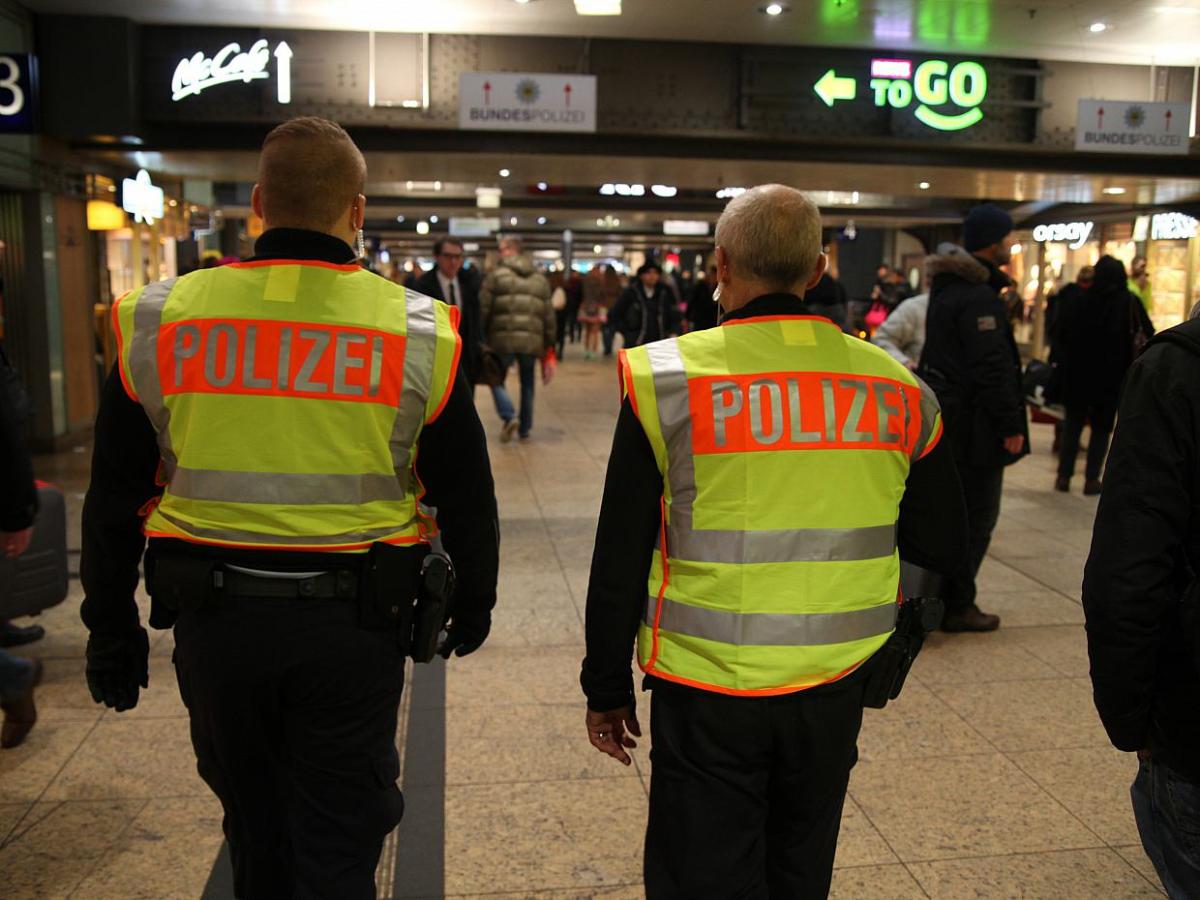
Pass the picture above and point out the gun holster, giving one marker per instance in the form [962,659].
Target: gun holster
[889,668]
[434,592]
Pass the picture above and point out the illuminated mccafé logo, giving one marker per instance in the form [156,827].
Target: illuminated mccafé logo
[942,96]
[197,73]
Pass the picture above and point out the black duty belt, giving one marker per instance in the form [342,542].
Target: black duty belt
[239,581]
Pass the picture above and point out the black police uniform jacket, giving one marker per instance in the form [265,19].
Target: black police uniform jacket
[468,326]
[1140,588]
[971,360]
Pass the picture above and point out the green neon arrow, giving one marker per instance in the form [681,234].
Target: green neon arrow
[949,123]
[831,88]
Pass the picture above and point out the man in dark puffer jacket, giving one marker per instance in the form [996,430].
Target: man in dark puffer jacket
[1140,596]
[970,359]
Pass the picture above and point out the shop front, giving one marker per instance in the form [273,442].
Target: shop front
[1170,243]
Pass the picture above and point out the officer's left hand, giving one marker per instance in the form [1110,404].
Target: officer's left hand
[117,665]
[606,731]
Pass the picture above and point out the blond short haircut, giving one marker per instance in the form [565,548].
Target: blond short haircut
[511,240]
[771,234]
[309,173]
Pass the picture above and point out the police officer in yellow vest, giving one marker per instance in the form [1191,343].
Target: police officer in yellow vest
[262,428]
[765,478]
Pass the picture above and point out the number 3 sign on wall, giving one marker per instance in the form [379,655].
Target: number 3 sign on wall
[18,93]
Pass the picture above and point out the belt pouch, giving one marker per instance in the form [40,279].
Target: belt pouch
[182,583]
[388,589]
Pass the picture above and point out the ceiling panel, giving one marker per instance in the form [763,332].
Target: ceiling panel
[1159,31]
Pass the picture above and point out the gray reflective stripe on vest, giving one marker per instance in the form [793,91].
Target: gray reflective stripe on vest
[675,420]
[778,546]
[929,413]
[419,354]
[261,539]
[772,629]
[286,488]
[143,365]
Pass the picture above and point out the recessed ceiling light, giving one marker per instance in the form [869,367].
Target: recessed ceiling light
[598,7]
[541,220]
[521,2]
[422,228]
[433,220]
[512,221]
[663,190]
[1098,27]
[1114,191]
[504,173]
[596,248]
[923,185]
[541,186]
[399,218]
[774,9]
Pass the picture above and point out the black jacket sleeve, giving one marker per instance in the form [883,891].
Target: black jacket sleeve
[987,344]
[933,514]
[453,466]
[124,465]
[628,530]
[18,494]
[620,311]
[1129,585]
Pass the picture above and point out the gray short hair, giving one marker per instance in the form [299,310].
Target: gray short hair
[771,234]
[511,240]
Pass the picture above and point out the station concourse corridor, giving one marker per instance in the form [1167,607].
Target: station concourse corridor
[990,777]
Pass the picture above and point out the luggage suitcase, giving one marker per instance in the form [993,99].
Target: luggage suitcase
[37,579]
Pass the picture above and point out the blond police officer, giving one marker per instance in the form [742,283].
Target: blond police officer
[765,478]
[262,427]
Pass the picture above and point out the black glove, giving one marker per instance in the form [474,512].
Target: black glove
[465,635]
[116,665]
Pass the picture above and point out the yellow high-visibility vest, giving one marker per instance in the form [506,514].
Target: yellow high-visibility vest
[784,447]
[288,397]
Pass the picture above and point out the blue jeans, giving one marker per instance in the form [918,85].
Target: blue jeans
[15,675]
[526,364]
[1167,809]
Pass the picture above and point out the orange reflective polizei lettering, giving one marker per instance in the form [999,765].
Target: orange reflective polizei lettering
[802,411]
[281,359]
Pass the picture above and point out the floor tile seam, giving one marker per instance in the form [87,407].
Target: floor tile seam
[963,719]
[546,531]
[874,827]
[104,855]
[1054,797]
[1157,886]
[1080,848]
[1032,578]
[623,776]
[570,887]
[70,758]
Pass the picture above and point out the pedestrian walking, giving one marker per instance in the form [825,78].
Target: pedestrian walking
[518,319]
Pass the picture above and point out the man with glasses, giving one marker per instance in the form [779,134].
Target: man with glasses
[449,283]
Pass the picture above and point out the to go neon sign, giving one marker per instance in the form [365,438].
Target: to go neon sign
[934,83]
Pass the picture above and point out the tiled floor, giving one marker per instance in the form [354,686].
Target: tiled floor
[991,777]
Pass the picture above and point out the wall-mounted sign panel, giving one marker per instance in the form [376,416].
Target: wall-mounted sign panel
[240,75]
[142,199]
[1173,227]
[473,226]
[897,95]
[685,227]
[18,93]
[507,101]
[1115,126]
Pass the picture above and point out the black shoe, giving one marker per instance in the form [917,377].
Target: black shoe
[20,713]
[1092,487]
[14,635]
[1063,485]
[970,618]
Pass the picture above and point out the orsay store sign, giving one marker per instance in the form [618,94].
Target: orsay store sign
[1074,234]
[505,101]
[941,95]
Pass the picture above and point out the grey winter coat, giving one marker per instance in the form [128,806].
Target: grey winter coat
[514,304]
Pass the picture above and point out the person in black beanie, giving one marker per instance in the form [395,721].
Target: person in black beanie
[971,361]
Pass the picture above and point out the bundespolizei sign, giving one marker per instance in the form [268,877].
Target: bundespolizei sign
[507,101]
[1115,126]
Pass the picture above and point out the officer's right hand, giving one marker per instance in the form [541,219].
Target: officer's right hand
[606,731]
[464,635]
[117,665]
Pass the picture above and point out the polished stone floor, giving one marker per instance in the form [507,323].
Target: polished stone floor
[991,777]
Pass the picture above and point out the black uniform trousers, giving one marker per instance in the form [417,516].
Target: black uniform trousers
[746,793]
[293,714]
[982,489]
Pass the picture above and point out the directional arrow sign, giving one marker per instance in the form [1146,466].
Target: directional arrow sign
[283,65]
[832,88]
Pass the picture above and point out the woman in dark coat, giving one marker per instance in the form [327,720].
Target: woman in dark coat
[1093,339]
